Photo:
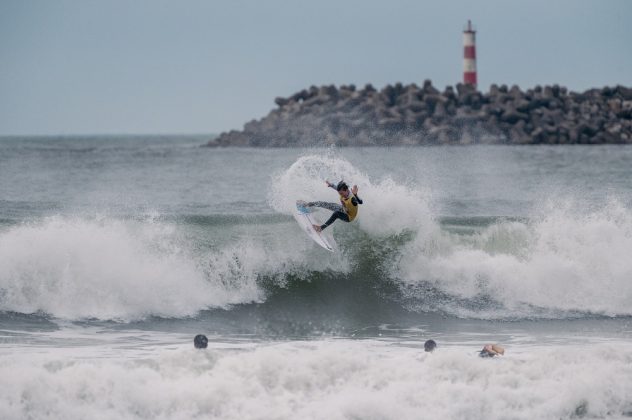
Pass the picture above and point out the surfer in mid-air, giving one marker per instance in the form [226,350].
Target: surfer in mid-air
[347,210]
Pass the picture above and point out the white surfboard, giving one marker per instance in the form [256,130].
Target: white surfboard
[303,216]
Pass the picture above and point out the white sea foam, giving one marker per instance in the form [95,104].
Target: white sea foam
[104,268]
[338,379]
[563,261]
[109,269]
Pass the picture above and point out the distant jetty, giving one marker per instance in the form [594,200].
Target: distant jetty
[399,115]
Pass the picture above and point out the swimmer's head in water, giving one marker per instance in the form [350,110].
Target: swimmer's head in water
[200,341]
[430,345]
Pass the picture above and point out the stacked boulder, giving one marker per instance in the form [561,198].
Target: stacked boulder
[414,115]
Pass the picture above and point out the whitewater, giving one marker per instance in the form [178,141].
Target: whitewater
[116,251]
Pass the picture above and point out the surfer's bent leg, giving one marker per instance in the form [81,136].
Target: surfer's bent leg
[326,205]
[335,215]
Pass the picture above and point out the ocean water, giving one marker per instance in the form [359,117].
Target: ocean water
[116,251]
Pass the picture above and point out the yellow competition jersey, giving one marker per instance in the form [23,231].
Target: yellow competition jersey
[352,211]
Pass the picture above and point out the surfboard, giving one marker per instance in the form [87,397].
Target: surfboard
[303,216]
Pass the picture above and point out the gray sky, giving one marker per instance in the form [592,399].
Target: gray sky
[154,66]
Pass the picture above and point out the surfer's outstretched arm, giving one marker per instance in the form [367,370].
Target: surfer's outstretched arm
[356,200]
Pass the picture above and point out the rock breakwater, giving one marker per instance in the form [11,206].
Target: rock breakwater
[423,115]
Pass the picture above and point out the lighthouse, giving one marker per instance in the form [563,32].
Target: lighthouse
[469,55]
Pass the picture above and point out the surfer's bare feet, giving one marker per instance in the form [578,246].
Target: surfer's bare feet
[317,228]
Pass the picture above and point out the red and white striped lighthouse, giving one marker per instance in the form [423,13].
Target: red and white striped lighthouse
[469,55]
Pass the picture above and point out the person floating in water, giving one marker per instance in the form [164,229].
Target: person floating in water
[200,341]
[491,350]
[347,210]
[430,346]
